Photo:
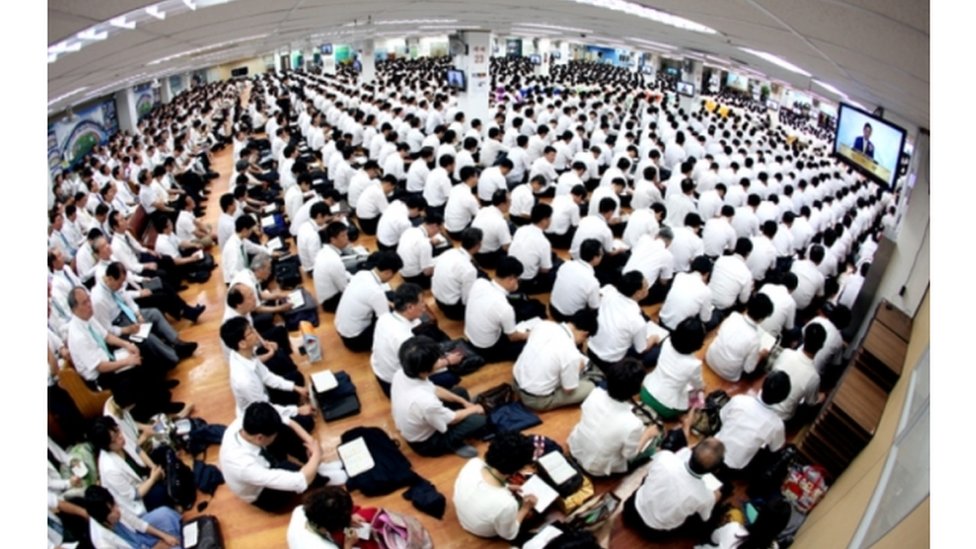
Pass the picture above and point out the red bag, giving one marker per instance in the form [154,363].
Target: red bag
[805,486]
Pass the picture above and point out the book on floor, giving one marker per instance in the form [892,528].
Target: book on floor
[355,457]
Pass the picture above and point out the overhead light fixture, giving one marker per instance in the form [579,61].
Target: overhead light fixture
[416,22]
[829,87]
[205,48]
[778,61]
[553,27]
[154,11]
[644,12]
[190,4]
[121,23]
[92,34]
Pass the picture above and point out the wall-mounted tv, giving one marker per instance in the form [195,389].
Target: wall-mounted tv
[456,79]
[555,54]
[326,49]
[686,89]
[772,105]
[647,69]
[737,81]
[241,71]
[536,59]
[869,144]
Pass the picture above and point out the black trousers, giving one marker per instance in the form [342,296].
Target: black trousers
[503,350]
[362,343]
[453,312]
[330,305]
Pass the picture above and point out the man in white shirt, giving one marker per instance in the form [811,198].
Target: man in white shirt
[309,235]
[493,179]
[329,273]
[416,249]
[497,234]
[751,429]
[519,156]
[718,236]
[783,316]
[373,202]
[731,281]
[419,407]
[364,301]
[673,500]
[549,372]
[235,255]
[737,347]
[419,171]
[652,259]
[438,185]
[622,329]
[531,247]
[810,280]
[565,217]
[804,379]
[576,287]
[462,205]
[763,256]
[689,295]
[455,273]
[397,218]
[687,244]
[489,318]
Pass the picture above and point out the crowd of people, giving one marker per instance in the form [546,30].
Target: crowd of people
[546,229]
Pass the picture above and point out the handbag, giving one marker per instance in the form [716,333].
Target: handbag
[497,396]
[396,531]
[594,514]
[578,498]
[471,361]
[309,311]
[707,420]
[340,402]
[805,486]
[205,529]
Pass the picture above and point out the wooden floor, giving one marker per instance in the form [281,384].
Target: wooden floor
[204,380]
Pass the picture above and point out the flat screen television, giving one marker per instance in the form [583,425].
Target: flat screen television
[686,89]
[647,69]
[772,105]
[456,79]
[555,55]
[242,71]
[326,49]
[737,81]
[535,59]
[869,144]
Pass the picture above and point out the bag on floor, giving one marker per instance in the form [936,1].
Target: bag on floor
[497,396]
[181,487]
[392,470]
[288,272]
[805,486]
[471,361]
[509,418]
[396,531]
[707,420]
[340,402]
[309,312]
[202,532]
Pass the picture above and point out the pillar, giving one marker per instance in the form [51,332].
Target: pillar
[413,47]
[563,48]
[125,108]
[474,63]
[367,56]
[165,92]
[543,51]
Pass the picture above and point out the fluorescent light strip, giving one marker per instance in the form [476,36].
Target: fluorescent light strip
[190,4]
[829,87]
[553,27]
[154,11]
[645,12]
[121,23]
[205,48]
[416,22]
[92,35]
[778,61]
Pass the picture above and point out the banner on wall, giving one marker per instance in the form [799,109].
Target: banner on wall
[147,97]
[176,84]
[72,137]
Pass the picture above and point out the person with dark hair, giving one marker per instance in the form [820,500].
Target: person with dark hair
[438,185]
[189,262]
[236,254]
[680,204]
[254,459]
[491,180]
[834,320]
[762,258]
[736,350]
[417,249]
[863,144]
[116,527]
[486,504]
[779,292]
[551,372]
[423,411]
[652,257]
[565,217]
[329,273]
[718,236]
[673,500]
[229,214]
[364,301]
[751,429]
[665,389]
[804,379]
[623,331]
[731,282]
[689,295]
[396,219]
[455,273]
[328,520]
[576,287]
[373,202]
[497,233]
[126,470]
[462,205]
[531,247]
[810,281]
[609,436]
[686,243]
[489,317]
[772,518]
[309,241]
[745,221]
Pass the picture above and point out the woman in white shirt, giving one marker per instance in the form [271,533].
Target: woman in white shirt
[328,520]
[665,388]
[609,436]
[486,505]
[113,527]
[127,472]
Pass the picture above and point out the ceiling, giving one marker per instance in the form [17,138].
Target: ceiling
[875,52]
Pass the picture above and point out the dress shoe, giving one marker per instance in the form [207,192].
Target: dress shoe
[193,313]
[185,349]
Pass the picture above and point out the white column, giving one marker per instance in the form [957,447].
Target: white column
[125,108]
[544,52]
[368,59]
[564,53]
[165,91]
[474,100]
[413,48]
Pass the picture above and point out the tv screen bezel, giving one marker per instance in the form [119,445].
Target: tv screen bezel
[841,107]
[464,79]
[679,92]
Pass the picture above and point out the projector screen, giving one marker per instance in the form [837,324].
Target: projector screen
[737,81]
[869,144]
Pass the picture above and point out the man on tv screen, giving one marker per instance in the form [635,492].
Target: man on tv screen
[863,143]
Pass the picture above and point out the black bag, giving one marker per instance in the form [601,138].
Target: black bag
[674,440]
[526,307]
[208,534]
[472,361]
[708,421]
[545,445]
[511,417]
[308,311]
[207,477]
[288,272]
[496,397]
[392,470]
[180,485]
[340,402]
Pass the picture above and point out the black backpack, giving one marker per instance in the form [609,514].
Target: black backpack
[392,470]
[181,487]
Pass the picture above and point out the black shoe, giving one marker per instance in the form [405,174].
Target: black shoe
[185,349]
[174,407]
[193,313]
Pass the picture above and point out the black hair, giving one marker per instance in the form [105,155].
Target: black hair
[385,261]
[261,418]
[244,222]
[329,508]
[702,264]
[509,266]
[226,201]
[759,307]
[814,337]
[590,249]
[743,247]
[418,355]
[232,331]
[689,336]
[509,452]
[630,283]
[624,379]
[541,212]
[776,387]
[98,502]
[102,431]
[405,295]
[499,197]
[471,237]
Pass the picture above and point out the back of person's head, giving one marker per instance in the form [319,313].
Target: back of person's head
[743,247]
[446,160]
[624,379]
[754,200]
[319,209]
[328,508]
[689,336]
[499,197]
[707,456]
[590,249]
[839,316]
[405,295]
[693,220]
[385,261]
[471,237]
[769,229]
[335,229]
[541,212]
[579,190]
[702,265]
[790,281]
[772,518]
[776,387]
[814,337]
[509,266]
[607,205]
[244,222]
[418,355]
[509,452]
[467,173]
[630,283]
[260,418]
[759,307]
[226,201]
[102,432]
[98,502]
[817,253]
[232,331]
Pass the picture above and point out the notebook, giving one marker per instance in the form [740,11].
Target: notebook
[267,221]
[355,457]
[324,381]
[142,334]
[296,298]
[556,466]
[539,488]
[275,243]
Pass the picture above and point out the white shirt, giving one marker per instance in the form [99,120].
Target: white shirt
[416,251]
[309,244]
[185,226]
[550,360]
[642,222]
[484,509]
[492,223]
[595,227]
[358,184]
[363,299]
[454,274]
[810,282]
[394,220]
[670,492]
[652,259]
[86,352]
[118,477]
[745,222]
[762,257]
[461,208]
[804,381]
[668,382]
[417,175]
[607,435]
[685,246]
[489,181]
[576,287]
[103,538]
[392,330]
[247,473]
[565,215]
[731,280]
[748,424]
[225,228]
[437,187]
[531,247]
[678,206]
[417,412]
[736,348]
[689,296]
[718,236]
[488,315]
[784,309]
[329,273]
[830,353]
[709,204]
[621,327]
[522,201]
[249,379]
[300,535]
[372,203]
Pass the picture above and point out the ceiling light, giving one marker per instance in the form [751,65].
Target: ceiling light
[92,34]
[154,11]
[553,27]
[829,87]
[778,61]
[190,4]
[416,22]
[121,23]
[645,12]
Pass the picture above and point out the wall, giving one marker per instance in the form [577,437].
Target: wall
[834,521]
[222,72]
